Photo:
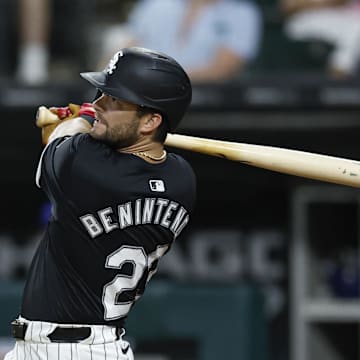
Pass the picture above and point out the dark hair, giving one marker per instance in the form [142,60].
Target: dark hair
[163,129]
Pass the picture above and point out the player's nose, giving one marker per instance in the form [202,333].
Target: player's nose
[98,103]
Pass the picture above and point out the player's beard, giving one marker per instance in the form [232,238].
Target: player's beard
[119,136]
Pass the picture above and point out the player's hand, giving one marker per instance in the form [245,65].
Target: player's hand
[67,112]
[87,112]
[49,119]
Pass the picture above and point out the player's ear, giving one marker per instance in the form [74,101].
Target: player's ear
[151,123]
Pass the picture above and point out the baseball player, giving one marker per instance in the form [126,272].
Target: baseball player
[119,201]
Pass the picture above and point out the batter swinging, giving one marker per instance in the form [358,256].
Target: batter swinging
[118,202]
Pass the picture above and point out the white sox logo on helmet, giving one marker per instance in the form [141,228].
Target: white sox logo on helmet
[113,62]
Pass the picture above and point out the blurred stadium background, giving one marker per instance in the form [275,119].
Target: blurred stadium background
[269,268]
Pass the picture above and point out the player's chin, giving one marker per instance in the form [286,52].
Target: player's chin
[98,130]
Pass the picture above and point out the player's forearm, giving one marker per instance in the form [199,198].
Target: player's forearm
[69,128]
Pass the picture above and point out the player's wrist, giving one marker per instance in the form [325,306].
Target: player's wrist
[87,112]
[88,118]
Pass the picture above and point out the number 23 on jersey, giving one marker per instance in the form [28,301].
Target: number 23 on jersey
[141,262]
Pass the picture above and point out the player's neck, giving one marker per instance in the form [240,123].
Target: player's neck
[152,152]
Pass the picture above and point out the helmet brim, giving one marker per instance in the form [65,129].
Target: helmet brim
[98,79]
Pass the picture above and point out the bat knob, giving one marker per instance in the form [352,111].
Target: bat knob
[45,117]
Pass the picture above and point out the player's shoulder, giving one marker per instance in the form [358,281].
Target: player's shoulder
[75,142]
[181,163]
[179,158]
[71,148]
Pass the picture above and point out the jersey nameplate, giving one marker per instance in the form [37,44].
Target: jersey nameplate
[157,211]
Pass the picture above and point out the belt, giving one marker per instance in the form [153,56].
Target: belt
[60,334]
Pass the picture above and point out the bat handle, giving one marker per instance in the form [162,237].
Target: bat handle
[45,117]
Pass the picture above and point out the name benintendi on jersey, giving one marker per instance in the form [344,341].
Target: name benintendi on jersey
[159,211]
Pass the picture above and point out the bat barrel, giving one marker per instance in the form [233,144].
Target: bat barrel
[293,162]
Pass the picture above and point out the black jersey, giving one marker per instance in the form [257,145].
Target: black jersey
[113,216]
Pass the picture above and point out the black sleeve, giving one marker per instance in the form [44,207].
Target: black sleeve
[59,153]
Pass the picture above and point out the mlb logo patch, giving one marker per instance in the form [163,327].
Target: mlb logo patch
[157,185]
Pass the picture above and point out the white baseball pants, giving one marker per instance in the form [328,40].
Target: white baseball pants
[103,343]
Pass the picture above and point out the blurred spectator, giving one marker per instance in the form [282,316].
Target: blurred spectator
[43,45]
[33,51]
[336,22]
[212,39]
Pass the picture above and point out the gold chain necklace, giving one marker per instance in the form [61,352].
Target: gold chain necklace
[154,158]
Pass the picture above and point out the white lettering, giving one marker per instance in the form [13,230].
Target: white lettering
[148,210]
[157,211]
[165,220]
[160,203]
[177,221]
[92,225]
[125,215]
[138,212]
[106,220]
[181,227]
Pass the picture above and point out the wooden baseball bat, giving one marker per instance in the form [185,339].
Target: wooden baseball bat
[293,162]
